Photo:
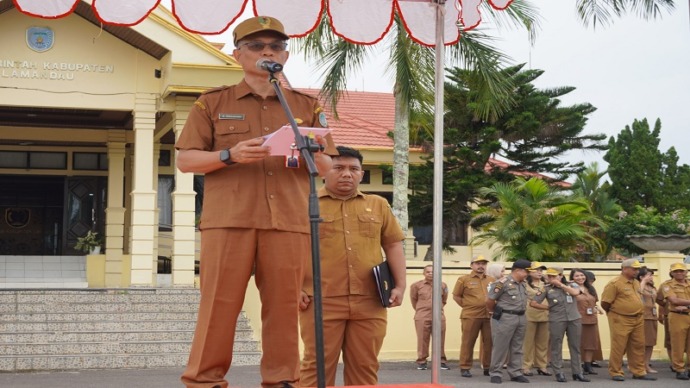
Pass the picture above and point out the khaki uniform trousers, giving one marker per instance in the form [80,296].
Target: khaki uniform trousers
[627,336]
[471,327]
[679,326]
[228,258]
[423,329]
[355,325]
[573,330]
[509,332]
[536,345]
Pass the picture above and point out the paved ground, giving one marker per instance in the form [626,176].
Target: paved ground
[248,376]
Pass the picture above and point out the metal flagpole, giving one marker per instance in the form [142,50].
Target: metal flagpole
[438,193]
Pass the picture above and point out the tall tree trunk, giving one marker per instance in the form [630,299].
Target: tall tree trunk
[401,160]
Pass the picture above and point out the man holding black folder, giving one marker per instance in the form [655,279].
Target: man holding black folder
[355,228]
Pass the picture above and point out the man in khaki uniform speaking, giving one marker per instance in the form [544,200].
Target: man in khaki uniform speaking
[622,301]
[255,217]
[677,294]
[506,302]
[470,293]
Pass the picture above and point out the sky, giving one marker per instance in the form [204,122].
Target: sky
[631,69]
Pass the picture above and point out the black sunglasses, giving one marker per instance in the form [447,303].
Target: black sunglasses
[257,46]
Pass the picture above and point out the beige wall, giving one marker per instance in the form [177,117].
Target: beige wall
[400,342]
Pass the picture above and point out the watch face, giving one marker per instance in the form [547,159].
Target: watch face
[224,155]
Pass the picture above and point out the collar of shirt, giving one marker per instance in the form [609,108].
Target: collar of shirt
[474,274]
[323,192]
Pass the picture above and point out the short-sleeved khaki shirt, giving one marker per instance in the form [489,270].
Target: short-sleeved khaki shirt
[509,294]
[676,289]
[624,296]
[472,289]
[261,195]
[421,297]
[534,314]
[351,236]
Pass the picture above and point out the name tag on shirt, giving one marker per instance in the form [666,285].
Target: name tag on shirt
[230,116]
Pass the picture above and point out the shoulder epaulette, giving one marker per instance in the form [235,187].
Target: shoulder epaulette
[303,94]
[217,89]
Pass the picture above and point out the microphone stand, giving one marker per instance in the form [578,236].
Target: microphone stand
[307,147]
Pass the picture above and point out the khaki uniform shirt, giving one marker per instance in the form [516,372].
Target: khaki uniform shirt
[562,306]
[351,236]
[624,296]
[661,298]
[676,289]
[509,294]
[260,195]
[534,314]
[472,289]
[649,300]
[421,294]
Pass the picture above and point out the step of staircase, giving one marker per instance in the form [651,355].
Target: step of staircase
[105,329]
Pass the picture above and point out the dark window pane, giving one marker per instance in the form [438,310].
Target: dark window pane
[48,160]
[14,159]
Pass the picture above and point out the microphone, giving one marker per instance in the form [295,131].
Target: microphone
[269,66]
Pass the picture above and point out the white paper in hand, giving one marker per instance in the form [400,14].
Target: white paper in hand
[282,141]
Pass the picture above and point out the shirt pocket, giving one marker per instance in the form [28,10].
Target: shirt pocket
[230,132]
[370,225]
[326,226]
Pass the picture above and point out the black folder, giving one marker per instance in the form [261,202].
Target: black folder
[384,282]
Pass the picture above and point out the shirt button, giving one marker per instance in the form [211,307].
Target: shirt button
[347,232]
[349,248]
[345,215]
[270,173]
[266,129]
[264,107]
[270,196]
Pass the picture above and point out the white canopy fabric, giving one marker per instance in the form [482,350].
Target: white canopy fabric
[357,21]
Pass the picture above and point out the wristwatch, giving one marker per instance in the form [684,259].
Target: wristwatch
[225,157]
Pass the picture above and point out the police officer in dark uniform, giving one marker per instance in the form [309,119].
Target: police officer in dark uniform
[506,303]
[564,318]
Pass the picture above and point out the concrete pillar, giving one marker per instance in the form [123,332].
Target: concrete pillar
[143,195]
[115,211]
[156,210]
[184,220]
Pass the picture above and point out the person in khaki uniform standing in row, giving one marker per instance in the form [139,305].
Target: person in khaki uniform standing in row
[470,293]
[536,346]
[421,297]
[622,301]
[506,302]
[677,294]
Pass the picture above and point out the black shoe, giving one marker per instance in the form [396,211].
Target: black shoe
[587,369]
[445,366]
[422,366]
[543,372]
[496,380]
[618,378]
[519,379]
[595,364]
[580,377]
[644,377]
[560,377]
[486,372]
[682,376]
[465,373]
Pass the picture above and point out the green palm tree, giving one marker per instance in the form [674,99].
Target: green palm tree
[412,67]
[602,11]
[531,219]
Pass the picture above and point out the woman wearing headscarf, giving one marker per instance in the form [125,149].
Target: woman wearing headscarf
[587,306]
[563,319]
